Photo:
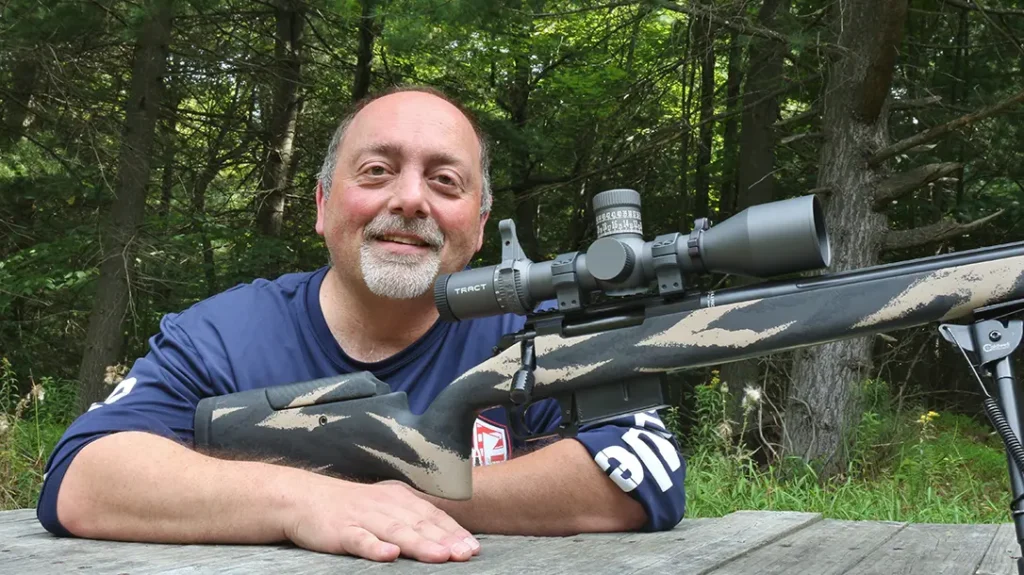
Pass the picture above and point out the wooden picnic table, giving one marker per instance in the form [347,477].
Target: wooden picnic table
[760,542]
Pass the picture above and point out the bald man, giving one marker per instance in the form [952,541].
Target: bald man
[403,196]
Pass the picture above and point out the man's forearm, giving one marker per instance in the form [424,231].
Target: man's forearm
[141,487]
[557,490]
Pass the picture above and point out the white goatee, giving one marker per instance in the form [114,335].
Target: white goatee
[400,276]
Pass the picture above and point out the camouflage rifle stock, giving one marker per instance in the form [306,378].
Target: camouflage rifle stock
[598,362]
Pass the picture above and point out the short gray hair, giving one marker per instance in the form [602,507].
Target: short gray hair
[326,175]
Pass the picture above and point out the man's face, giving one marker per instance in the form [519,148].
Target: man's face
[405,199]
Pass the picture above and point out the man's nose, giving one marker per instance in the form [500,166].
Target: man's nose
[409,196]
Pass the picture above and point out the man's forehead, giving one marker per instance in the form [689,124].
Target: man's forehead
[413,108]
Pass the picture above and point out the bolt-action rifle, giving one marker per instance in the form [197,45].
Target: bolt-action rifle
[625,314]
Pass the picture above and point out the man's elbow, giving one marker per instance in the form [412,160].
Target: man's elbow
[631,515]
[623,513]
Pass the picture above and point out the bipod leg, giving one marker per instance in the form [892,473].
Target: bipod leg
[1008,417]
[991,341]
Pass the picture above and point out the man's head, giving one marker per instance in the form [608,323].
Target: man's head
[403,194]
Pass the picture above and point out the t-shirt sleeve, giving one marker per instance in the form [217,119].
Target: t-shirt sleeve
[158,395]
[638,454]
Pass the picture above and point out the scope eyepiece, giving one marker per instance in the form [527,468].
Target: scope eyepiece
[766,240]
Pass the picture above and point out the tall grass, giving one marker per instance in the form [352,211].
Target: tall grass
[915,466]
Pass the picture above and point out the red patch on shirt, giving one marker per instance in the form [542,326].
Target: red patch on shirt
[490,443]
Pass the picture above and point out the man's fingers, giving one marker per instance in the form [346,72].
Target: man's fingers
[420,507]
[413,543]
[360,542]
[447,523]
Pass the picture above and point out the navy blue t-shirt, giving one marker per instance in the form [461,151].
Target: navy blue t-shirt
[273,332]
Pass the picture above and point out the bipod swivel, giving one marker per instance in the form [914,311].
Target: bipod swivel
[988,345]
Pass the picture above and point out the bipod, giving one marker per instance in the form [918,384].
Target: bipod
[988,345]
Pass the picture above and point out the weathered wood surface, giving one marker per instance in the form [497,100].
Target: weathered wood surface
[742,542]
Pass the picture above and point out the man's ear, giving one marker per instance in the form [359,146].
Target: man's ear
[321,207]
[483,228]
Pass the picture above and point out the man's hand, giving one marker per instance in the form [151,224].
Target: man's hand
[377,522]
[577,497]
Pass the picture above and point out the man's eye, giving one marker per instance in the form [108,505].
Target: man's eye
[446,180]
[377,171]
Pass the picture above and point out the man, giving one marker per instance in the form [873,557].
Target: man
[402,197]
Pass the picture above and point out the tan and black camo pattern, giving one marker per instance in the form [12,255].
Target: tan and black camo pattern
[377,437]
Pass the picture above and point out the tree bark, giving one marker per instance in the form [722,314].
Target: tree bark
[104,340]
[820,407]
[369,29]
[284,115]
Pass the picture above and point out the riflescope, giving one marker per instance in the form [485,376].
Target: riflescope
[762,241]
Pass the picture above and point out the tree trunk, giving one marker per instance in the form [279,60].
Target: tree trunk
[820,409]
[369,29]
[526,204]
[756,184]
[284,115]
[104,340]
[961,79]
[686,78]
[705,50]
[733,82]
[16,104]
[169,145]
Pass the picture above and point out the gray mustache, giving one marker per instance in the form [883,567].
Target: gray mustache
[426,229]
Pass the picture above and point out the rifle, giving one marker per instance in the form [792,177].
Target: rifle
[625,317]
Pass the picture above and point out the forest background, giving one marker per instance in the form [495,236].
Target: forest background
[154,153]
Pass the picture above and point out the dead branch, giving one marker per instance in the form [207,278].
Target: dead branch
[801,136]
[916,103]
[796,119]
[973,6]
[939,131]
[905,182]
[941,230]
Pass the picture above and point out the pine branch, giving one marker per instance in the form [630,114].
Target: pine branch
[941,230]
[905,182]
[939,131]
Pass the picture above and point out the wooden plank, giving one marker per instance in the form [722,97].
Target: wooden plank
[1001,557]
[497,556]
[930,548]
[829,546]
[15,515]
[44,553]
[713,544]
[514,555]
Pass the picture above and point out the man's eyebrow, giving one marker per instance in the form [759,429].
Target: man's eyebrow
[383,148]
[394,150]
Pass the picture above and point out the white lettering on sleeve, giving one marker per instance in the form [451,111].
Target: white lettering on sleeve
[120,391]
[628,464]
[650,460]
